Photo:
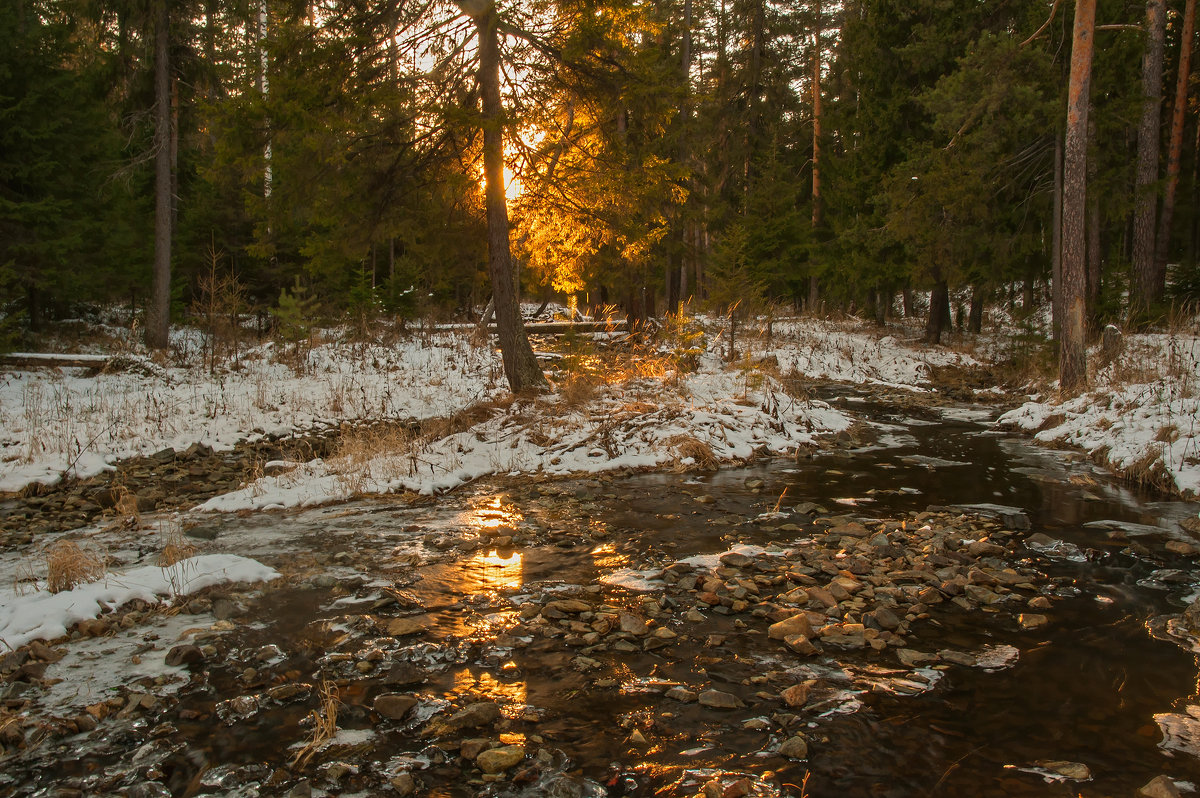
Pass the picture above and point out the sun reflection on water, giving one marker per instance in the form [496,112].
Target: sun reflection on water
[511,696]
[493,514]
[494,570]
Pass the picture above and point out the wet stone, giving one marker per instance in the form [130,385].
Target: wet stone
[184,655]
[1029,620]
[796,695]
[794,747]
[498,760]
[682,695]
[401,627]
[789,627]
[717,699]
[394,706]
[1159,787]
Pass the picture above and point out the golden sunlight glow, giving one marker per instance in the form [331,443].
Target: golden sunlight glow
[511,696]
[494,571]
[492,515]
[512,185]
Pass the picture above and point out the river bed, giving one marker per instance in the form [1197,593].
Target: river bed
[616,635]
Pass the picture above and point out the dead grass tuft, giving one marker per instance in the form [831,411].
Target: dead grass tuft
[1150,470]
[175,547]
[1168,433]
[69,565]
[699,452]
[577,390]
[324,720]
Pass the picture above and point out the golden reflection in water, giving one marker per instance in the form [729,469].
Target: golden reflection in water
[493,570]
[493,514]
[605,556]
[511,696]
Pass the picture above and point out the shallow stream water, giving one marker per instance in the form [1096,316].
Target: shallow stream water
[1092,687]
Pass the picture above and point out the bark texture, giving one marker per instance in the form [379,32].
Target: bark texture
[1146,211]
[1174,151]
[521,368]
[1072,353]
[158,314]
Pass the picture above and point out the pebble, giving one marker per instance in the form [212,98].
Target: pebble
[1029,620]
[794,747]
[498,760]
[717,699]
[401,627]
[394,706]
[1159,787]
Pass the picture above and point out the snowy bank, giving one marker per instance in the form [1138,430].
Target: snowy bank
[57,422]
[1140,417]
[42,615]
[715,415]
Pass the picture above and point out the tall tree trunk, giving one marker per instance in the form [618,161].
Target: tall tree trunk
[1055,246]
[1174,151]
[158,316]
[685,260]
[754,91]
[1072,355]
[975,316]
[1144,218]
[520,365]
[265,88]
[939,309]
[813,282]
[1094,257]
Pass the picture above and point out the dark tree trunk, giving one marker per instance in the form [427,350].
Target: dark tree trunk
[1174,151]
[158,316]
[975,315]
[520,365]
[1142,287]
[1072,353]
[1055,245]
[939,310]
[1094,257]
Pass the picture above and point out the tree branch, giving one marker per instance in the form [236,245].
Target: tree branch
[1046,24]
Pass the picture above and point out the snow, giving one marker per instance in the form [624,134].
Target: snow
[646,425]
[1142,412]
[42,615]
[850,352]
[56,422]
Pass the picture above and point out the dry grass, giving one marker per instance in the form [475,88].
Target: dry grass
[175,547]
[69,565]
[1168,433]
[324,720]
[1149,470]
[688,446]
[577,390]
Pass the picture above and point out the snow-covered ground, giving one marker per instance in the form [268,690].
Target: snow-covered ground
[61,421]
[1140,416]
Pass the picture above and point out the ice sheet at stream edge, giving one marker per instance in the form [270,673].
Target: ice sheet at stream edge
[44,615]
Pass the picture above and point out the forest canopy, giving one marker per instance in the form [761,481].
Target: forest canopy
[815,154]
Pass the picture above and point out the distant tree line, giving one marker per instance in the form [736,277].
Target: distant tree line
[818,154]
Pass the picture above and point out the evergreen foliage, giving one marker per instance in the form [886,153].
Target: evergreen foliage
[665,152]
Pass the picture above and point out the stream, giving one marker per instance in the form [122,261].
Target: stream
[439,605]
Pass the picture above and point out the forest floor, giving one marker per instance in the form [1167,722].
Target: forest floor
[278,425]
